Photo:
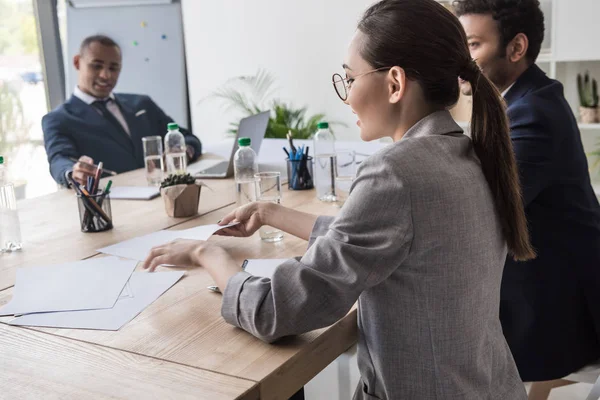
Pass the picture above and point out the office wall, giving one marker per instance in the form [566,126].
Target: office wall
[302,42]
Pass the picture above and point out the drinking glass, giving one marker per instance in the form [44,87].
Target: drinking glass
[153,159]
[268,188]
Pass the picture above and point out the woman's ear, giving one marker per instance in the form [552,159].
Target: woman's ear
[397,84]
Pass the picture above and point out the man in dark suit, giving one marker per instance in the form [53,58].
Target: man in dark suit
[96,124]
[550,306]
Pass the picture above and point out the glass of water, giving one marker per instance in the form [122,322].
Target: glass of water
[268,188]
[153,158]
[345,172]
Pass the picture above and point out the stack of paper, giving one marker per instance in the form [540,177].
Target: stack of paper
[138,248]
[100,293]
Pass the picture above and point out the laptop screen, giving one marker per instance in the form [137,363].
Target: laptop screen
[253,127]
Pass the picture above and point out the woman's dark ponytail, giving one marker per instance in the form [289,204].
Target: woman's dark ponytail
[491,140]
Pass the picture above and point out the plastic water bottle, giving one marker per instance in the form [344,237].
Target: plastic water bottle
[324,171]
[244,167]
[10,229]
[175,150]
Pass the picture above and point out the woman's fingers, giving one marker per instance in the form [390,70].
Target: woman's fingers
[155,252]
[158,261]
[232,231]
[228,218]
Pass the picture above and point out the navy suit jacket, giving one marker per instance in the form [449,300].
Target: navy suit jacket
[550,306]
[76,128]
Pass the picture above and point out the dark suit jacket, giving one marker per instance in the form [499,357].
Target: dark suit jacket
[550,306]
[76,128]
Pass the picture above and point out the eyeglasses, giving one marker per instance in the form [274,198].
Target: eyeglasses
[343,85]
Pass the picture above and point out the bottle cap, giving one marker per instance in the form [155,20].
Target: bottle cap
[172,126]
[323,125]
[244,141]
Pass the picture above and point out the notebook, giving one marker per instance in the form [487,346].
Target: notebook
[134,192]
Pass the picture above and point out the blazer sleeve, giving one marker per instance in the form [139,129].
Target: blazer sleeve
[190,138]
[59,147]
[533,144]
[368,240]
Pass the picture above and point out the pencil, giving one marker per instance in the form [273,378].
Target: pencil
[104,170]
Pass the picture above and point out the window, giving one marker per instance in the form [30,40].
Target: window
[22,100]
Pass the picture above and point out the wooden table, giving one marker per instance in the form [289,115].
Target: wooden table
[51,232]
[181,340]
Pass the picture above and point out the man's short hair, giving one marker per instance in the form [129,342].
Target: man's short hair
[102,39]
[513,17]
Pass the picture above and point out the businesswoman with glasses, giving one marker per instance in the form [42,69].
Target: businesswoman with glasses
[422,239]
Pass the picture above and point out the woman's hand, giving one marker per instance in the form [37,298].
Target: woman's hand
[219,264]
[254,215]
[184,253]
[250,218]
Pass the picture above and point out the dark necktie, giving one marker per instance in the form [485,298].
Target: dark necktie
[101,105]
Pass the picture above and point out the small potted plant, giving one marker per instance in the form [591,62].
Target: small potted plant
[181,193]
[588,99]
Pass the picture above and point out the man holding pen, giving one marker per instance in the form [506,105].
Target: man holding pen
[96,124]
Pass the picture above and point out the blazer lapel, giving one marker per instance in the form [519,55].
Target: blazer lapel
[91,117]
[135,129]
[524,84]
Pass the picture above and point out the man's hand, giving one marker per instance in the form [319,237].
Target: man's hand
[82,169]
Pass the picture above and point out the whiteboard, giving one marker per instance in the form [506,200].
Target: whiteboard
[151,40]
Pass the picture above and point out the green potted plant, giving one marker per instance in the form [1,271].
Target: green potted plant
[181,194]
[253,94]
[588,98]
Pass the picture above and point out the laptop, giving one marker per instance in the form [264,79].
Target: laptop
[253,127]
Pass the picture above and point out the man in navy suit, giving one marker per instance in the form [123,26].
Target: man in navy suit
[550,306]
[96,124]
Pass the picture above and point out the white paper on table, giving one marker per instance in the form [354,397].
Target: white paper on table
[8,309]
[134,192]
[202,232]
[263,267]
[127,292]
[146,286]
[138,248]
[82,285]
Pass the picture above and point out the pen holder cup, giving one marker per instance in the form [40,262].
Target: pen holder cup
[94,212]
[300,174]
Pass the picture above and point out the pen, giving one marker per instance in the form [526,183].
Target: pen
[105,193]
[290,140]
[97,179]
[107,188]
[104,170]
[214,289]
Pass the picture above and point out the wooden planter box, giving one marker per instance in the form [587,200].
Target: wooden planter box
[181,200]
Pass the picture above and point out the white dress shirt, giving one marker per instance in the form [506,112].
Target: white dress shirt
[507,89]
[111,106]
